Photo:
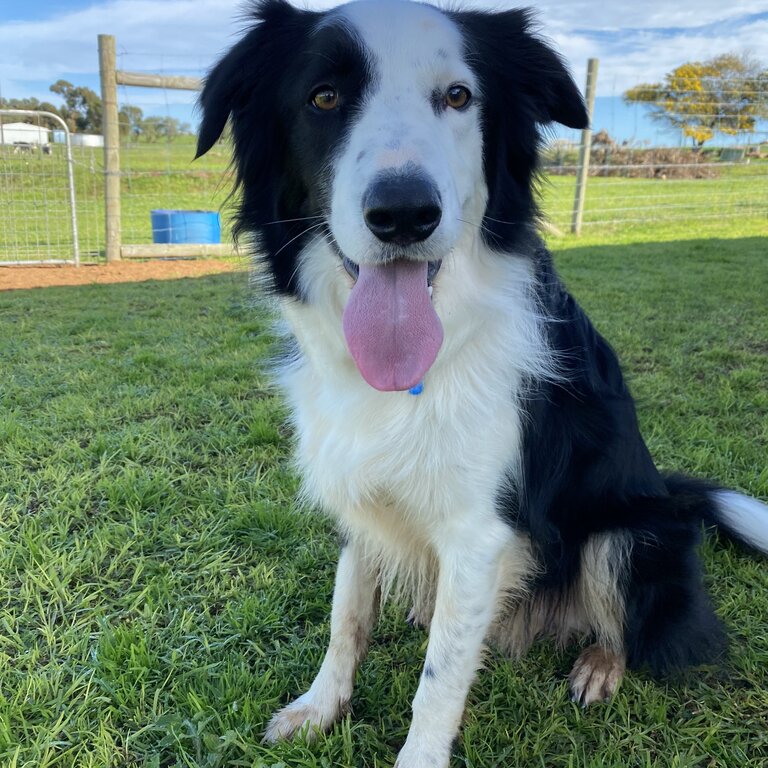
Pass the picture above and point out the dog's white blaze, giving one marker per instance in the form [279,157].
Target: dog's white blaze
[414,52]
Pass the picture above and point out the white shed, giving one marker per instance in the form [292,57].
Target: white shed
[23,133]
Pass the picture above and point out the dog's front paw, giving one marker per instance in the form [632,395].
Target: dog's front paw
[305,714]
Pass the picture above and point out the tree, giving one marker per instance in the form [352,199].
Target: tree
[154,128]
[130,119]
[83,112]
[82,108]
[150,128]
[726,94]
[35,105]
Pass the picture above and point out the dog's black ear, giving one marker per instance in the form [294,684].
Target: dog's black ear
[560,99]
[507,54]
[524,85]
[247,71]
[217,100]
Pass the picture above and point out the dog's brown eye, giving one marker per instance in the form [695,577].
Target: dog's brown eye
[325,98]
[457,97]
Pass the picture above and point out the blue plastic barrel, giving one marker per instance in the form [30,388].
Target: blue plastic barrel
[185,227]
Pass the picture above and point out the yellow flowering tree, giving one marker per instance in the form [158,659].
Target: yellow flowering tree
[727,94]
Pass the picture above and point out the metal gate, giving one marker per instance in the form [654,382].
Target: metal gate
[38,214]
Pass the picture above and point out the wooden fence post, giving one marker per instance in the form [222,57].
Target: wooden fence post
[586,145]
[111,129]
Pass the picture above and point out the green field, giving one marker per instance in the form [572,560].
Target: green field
[160,594]
[34,220]
[735,203]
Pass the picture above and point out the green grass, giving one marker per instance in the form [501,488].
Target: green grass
[160,595]
[34,219]
[734,203]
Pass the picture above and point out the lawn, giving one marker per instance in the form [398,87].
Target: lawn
[160,594]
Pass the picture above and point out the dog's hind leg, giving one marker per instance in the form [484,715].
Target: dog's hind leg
[600,599]
[596,675]
[355,603]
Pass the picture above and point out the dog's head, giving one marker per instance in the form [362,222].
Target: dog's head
[388,130]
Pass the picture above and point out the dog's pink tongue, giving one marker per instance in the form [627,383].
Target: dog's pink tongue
[391,327]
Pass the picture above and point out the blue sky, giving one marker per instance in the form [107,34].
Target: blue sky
[12,10]
[44,40]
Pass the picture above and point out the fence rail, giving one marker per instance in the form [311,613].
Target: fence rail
[148,80]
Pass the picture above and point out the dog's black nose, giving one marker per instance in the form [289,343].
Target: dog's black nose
[402,209]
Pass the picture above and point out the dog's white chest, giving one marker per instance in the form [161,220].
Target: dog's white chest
[410,462]
[406,462]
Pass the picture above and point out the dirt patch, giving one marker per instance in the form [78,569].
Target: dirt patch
[20,277]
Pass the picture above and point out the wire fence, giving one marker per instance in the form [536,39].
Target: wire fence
[35,204]
[157,149]
[660,194]
[661,183]
[664,181]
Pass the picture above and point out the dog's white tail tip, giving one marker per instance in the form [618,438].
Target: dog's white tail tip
[744,517]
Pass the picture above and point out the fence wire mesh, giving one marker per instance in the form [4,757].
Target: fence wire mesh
[35,205]
[662,183]
[665,182]
[157,149]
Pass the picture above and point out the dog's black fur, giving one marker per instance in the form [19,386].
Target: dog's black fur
[588,471]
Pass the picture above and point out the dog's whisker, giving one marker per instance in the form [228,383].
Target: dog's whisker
[286,221]
[502,221]
[323,238]
[301,234]
[483,228]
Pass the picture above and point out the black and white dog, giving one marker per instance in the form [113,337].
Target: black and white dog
[386,152]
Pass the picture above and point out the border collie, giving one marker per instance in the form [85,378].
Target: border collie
[456,412]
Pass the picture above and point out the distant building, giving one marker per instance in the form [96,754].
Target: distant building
[79,139]
[23,133]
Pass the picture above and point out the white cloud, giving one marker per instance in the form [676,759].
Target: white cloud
[650,14]
[190,29]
